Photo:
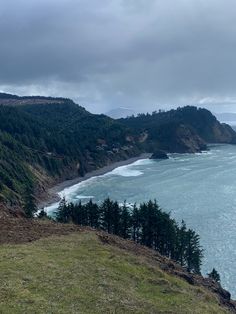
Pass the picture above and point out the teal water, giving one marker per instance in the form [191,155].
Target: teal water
[199,188]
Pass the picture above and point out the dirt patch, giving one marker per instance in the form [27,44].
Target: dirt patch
[20,230]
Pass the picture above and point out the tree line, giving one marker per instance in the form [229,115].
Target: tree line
[146,224]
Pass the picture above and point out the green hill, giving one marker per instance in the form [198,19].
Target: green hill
[45,140]
[89,272]
[185,129]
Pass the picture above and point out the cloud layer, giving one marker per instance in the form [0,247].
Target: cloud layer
[134,53]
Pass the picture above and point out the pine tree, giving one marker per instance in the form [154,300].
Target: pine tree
[76,213]
[106,215]
[194,253]
[93,214]
[214,275]
[42,214]
[181,244]
[125,222]
[146,224]
[63,214]
[116,218]
[135,224]
[29,205]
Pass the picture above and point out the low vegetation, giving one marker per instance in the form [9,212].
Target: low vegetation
[78,273]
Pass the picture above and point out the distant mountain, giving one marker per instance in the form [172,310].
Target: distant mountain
[121,112]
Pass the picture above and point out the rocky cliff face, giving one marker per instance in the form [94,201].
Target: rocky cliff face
[186,129]
[188,140]
[223,133]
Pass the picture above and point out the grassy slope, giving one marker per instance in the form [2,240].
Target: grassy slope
[77,273]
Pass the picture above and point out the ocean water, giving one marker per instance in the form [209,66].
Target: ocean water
[199,188]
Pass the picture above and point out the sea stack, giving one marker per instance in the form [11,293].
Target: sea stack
[159,154]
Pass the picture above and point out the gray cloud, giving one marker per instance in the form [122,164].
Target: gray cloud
[133,53]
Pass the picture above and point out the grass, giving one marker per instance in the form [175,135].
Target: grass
[78,274]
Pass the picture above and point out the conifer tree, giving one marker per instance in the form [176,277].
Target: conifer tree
[193,252]
[146,224]
[106,215]
[135,224]
[76,213]
[63,214]
[93,214]
[214,275]
[116,218]
[181,244]
[29,205]
[125,222]
[42,214]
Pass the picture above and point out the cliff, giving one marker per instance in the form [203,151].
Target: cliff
[186,129]
[45,140]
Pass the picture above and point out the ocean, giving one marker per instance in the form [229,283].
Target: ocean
[198,188]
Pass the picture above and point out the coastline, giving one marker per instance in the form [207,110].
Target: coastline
[53,191]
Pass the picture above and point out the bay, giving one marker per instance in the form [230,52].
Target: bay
[198,188]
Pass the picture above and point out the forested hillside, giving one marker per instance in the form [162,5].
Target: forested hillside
[184,129]
[46,140]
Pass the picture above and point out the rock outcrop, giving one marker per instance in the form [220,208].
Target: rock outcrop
[159,154]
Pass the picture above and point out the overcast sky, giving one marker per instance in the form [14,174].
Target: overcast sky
[140,54]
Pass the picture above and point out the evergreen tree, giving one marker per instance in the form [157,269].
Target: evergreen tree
[181,244]
[148,219]
[106,215]
[42,214]
[135,224]
[214,275]
[93,214]
[29,205]
[63,214]
[146,224]
[193,252]
[125,222]
[77,213]
[116,218]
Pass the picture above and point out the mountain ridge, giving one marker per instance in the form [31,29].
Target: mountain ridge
[46,140]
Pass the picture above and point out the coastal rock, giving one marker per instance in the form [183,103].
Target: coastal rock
[159,154]
[187,140]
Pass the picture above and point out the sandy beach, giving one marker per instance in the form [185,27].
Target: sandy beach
[53,192]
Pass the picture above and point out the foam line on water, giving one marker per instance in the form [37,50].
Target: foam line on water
[71,192]
[126,171]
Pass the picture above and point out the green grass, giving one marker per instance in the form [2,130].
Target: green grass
[78,274]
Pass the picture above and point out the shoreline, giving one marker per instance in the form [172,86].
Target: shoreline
[53,191]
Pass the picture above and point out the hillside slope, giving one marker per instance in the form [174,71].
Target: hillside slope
[44,143]
[45,140]
[185,129]
[89,272]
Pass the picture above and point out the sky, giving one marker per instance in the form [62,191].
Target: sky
[140,54]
